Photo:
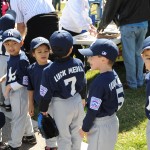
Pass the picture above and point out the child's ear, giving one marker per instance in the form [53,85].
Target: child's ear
[22,42]
[104,59]
[33,54]
[142,55]
[70,51]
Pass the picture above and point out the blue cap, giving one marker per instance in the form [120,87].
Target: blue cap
[102,47]
[36,42]
[61,42]
[2,119]
[11,34]
[146,44]
[8,20]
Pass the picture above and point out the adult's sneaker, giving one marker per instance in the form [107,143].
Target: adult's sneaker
[51,148]
[7,108]
[3,146]
[12,148]
[29,139]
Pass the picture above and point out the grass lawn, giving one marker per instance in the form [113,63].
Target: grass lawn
[132,135]
[132,132]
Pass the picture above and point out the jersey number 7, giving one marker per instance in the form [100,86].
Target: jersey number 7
[73,82]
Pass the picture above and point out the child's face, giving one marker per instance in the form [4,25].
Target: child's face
[146,58]
[41,54]
[12,47]
[95,62]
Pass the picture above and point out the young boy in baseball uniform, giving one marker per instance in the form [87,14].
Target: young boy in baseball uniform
[62,85]
[146,58]
[40,50]
[105,97]
[16,90]
[6,22]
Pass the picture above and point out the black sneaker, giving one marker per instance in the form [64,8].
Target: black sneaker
[12,148]
[29,139]
[3,146]
[51,148]
[2,104]
[7,108]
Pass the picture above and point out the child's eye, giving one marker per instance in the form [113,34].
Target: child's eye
[15,43]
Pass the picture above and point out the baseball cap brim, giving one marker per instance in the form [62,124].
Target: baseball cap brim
[147,47]
[12,13]
[41,44]
[12,38]
[86,52]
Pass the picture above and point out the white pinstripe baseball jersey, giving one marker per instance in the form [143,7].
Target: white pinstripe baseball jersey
[26,9]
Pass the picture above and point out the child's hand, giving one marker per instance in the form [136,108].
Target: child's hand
[31,109]
[82,133]
[2,79]
[83,102]
[44,113]
[7,90]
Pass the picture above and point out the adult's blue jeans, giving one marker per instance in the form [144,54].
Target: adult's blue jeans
[132,38]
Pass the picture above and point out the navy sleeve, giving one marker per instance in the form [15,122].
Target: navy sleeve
[22,72]
[147,105]
[46,91]
[94,103]
[30,85]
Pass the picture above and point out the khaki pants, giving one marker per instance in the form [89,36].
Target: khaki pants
[103,134]
[21,124]
[148,134]
[68,115]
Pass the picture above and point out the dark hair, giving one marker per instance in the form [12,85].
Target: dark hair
[33,50]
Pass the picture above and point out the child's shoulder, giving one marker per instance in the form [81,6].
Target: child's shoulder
[23,56]
[77,60]
[147,76]
[106,77]
[32,66]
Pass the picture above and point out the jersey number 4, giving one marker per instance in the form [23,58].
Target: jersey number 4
[71,80]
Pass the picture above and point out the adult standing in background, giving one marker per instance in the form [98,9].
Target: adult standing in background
[34,18]
[132,17]
[74,19]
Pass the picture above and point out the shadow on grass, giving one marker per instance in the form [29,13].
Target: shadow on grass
[133,112]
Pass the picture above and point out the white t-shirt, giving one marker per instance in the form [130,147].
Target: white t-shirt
[26,9]
[75,16]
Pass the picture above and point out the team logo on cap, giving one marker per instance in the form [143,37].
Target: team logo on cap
[10,33]
[104,53]
[41,39]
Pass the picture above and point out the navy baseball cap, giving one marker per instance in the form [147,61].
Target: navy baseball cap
[146,44]
[102,47]
[36,42]
[2,119]
[11,34]
[8,20]
[61,42]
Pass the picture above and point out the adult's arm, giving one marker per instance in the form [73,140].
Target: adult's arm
[110,11]
[21,27]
